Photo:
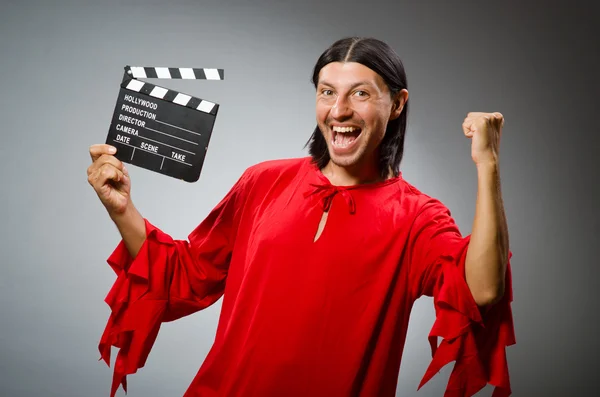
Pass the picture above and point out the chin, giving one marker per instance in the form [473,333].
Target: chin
[346,160]
[343,161]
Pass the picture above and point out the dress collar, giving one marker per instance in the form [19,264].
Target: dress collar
[325,191]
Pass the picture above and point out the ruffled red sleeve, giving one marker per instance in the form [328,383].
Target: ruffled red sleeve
[168,279]
[475,338]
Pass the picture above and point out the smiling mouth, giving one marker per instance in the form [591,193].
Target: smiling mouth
[344,136]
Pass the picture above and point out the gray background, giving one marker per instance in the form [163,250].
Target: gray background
[61,64]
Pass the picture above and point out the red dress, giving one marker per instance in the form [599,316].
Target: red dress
[310,318]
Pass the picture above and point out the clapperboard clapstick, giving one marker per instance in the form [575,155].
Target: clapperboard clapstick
[160,129]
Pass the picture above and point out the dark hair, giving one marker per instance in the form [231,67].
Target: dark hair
[382,59]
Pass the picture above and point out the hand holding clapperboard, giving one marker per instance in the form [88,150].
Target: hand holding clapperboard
[160,129]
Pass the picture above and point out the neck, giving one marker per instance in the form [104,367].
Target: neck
[351,175]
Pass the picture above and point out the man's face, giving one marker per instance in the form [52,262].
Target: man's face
[353,109]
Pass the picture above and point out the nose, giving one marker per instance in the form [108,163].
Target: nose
[341,109]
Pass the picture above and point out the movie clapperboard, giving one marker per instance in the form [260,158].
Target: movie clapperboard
[160,129]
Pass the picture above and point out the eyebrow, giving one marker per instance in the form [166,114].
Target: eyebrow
[351,87]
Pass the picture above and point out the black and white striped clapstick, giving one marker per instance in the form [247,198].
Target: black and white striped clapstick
[160,129]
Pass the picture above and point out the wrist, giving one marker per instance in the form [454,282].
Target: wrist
[488,176]
[124,216]
[488,167]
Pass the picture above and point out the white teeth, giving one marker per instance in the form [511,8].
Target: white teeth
[342,136]
[342,141]
[343,129]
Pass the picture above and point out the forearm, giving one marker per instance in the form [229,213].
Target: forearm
[487,254]
[132,227]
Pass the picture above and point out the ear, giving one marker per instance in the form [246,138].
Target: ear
[398,103]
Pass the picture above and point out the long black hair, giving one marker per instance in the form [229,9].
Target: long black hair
[382,59]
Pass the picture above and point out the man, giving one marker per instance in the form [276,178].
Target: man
[320,259]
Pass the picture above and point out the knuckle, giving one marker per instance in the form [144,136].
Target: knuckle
[104,159]
[93,179]
[105,171]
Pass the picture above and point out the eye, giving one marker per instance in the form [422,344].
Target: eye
[361,93]
[326,92]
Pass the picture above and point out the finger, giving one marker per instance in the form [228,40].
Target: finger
[98,150]
[105,159]
[467,127]
[499,117]
[474,115]
[104,174]
[109,159]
